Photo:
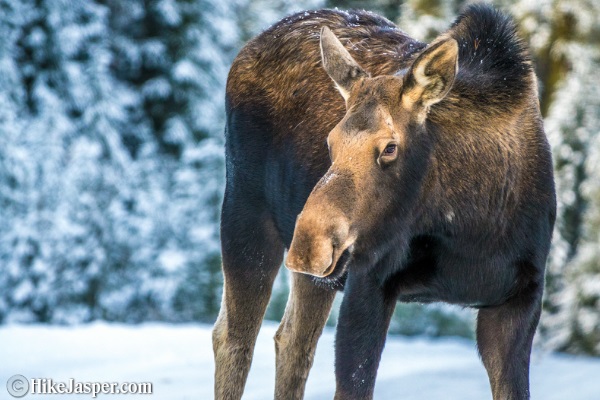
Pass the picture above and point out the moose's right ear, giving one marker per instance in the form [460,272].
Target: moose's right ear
[339,64]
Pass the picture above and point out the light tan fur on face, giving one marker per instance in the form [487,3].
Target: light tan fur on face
[378,114]
[321,235]
[342,201]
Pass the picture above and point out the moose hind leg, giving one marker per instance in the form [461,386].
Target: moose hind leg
[252,254]
[504,337]
[296,339]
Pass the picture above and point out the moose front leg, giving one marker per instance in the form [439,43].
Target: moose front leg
[252,254]
[296,339]
[361,332]
[504,337]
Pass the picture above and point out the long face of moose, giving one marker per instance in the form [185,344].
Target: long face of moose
[370,151]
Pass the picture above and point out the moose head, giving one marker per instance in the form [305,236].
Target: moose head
[379,155]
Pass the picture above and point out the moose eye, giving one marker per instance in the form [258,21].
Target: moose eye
[388,155]
[390,150]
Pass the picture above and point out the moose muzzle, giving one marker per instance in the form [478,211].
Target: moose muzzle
[320,238]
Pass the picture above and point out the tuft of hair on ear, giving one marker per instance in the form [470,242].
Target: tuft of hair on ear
[431,75]
[338,63]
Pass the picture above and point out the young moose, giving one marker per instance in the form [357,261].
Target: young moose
[391,169]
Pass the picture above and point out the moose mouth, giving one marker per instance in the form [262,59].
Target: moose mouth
[335,277]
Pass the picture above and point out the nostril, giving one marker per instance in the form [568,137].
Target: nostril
[335,242]
[320,267]
[341,232]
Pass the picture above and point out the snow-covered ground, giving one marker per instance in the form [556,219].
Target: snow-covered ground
[177,359]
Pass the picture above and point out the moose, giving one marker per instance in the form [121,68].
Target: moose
[392,170]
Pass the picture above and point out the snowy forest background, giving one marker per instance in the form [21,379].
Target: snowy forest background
[111,156]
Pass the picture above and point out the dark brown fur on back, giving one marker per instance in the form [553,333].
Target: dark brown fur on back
[281,70]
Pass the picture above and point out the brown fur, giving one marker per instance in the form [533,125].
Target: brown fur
[289,81]
[420,183]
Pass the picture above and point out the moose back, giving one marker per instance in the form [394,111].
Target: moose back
[391,169]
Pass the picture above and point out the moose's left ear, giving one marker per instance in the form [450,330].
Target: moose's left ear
[432,74]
